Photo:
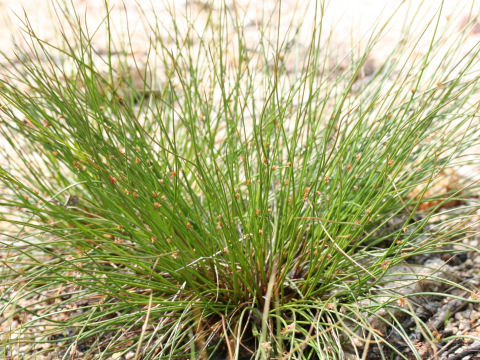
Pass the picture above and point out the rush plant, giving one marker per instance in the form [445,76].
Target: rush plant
[227,199]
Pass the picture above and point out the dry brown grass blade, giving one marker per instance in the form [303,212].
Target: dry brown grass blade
[144,327]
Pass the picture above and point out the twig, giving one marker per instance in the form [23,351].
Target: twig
[469,351]
[447,345]
[452,307]
[445,348]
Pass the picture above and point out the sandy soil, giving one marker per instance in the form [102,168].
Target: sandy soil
[348,20]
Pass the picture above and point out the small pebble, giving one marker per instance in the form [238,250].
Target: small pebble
[448,329]
[464,325]
[116,356]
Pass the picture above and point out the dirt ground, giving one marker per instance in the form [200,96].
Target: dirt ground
[349,21]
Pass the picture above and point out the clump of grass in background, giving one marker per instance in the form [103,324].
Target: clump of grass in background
[223,205]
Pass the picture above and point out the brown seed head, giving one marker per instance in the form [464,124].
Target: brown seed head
[385,264]
[475,295]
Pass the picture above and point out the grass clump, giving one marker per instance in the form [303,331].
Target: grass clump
[216,203]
